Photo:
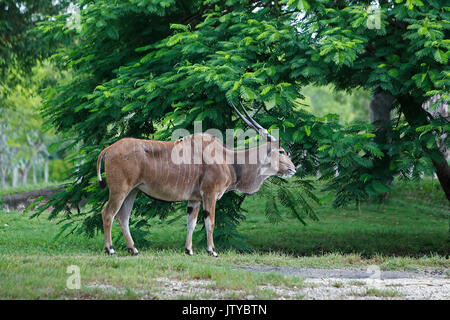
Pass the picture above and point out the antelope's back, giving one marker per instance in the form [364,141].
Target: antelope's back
[165,170]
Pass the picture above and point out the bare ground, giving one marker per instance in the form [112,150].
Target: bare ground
[319,284]
[398,288]
[369,283]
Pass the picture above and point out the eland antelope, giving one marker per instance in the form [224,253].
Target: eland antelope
[197,168]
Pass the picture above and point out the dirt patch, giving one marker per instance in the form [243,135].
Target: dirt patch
[194,289]
[362,284]
[106,288]
[349,287]
[165,288]
[375,289]
[20,201]
[371,272]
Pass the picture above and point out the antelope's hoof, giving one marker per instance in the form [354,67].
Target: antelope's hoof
[189,252]
[213,253]
[110,251]
[133,251]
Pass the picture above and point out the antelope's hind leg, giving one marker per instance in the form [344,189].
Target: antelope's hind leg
[123,216]
[109,212]
[192,212]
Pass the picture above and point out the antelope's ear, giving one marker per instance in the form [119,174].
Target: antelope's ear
[275,143]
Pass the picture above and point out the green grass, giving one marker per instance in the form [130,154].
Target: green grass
[412,221]
[406,224]
[408,231]
[384,293]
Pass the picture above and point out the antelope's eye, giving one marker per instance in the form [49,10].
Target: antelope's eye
[282,152]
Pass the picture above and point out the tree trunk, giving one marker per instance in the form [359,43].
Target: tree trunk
[441,111]
[417,116]
[34,173]
[15,177]
[380,108]
[443,174]
[2,157]
[2,178]
[2,175]
[46,171]
[25,173]
[380,116]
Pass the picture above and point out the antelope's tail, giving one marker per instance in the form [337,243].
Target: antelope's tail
[101,156]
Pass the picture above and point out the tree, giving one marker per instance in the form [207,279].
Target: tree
[401,47]
[19,51]
[145,69]
[17,18]
[28,148]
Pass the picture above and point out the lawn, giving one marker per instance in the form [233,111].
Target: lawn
[412,221]
[409,230]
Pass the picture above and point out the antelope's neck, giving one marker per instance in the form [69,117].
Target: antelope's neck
[247,171]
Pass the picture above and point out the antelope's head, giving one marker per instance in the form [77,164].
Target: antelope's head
[277,161]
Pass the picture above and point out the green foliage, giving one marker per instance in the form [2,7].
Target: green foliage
[25,141]
[325,100]
[289,196]
[144,80]
[58,169]
[18,47]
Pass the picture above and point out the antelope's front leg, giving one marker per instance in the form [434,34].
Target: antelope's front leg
[192,211]
[209,210]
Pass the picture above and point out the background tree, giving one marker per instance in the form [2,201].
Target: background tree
[145,69]
[350,107]
[19,48]
[25,142]
[401,48]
